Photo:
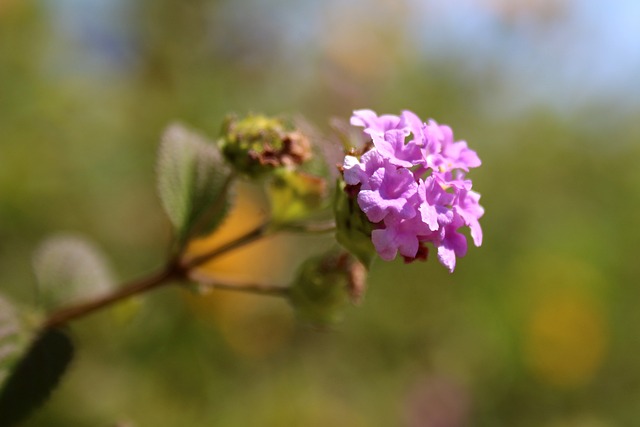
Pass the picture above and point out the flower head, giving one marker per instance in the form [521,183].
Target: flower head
[411,184]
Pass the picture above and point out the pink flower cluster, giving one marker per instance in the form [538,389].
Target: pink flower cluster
[412,185]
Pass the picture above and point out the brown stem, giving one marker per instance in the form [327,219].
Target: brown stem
[172,271]
[276,291]
[257,233]
[155,280]
[178,271]
[319,227]
[251,236]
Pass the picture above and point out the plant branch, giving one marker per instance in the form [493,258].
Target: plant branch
[180,271]
[252,288]
[135,287]
[251,236]
[320,227]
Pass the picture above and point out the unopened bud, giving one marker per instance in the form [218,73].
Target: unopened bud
[256,145]
[325,285]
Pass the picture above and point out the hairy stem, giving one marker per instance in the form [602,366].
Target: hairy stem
[249,237]
[173,272]
[320,227]
[276,291]
[139,286]
[178,271]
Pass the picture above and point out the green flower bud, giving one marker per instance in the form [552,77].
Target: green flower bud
[256,145]
[295,195]
[325,285]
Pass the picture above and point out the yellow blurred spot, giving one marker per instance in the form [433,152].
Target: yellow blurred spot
[559,301]
[253,326]
[262,261]
[566,338]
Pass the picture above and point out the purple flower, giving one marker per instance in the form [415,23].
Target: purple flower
[435,201]
[399,235]
[412,185]
[388,134]
[388,191]
[391,145]
[451,244]
[470,211]
[447,155]
[359,171]
[372,123]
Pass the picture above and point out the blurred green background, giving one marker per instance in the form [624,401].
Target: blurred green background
[538,327]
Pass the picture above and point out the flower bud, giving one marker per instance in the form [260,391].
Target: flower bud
[295,195]
[325,284]
[256,145]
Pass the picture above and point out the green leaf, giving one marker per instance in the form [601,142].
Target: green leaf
[69,267]
[193,182]
[35,376]
[10,342]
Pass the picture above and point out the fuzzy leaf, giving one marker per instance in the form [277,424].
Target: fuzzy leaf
[10,329]
[35,376]
[68,268]
[193,182]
